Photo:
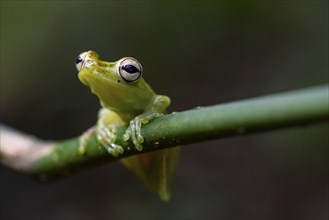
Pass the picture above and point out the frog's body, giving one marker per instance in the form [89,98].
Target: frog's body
[126,98]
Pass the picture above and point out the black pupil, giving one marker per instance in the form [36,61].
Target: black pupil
[130,68]
[79,59]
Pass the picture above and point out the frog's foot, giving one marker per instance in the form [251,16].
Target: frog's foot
[134,129]
[106,135]
[83,139]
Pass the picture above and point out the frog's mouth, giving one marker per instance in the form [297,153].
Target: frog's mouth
[116,94]
[107,88]
[96,79]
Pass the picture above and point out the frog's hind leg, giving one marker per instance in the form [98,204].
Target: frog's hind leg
[155,169]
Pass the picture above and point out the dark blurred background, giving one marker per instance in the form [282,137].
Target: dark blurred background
[199,53]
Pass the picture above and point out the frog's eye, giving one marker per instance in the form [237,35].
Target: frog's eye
[130,69]
[79,63]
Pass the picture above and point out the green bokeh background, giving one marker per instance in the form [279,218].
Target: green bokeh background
[197,52]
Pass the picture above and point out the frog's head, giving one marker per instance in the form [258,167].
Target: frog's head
[119,85]
[127,69]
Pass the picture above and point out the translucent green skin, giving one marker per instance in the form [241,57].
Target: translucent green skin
[134,103]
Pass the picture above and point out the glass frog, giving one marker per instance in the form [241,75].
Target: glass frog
[125,98]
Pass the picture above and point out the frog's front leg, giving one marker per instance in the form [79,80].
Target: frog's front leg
[156,108]
[106,131]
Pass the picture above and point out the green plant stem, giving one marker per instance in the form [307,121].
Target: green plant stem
[199,124]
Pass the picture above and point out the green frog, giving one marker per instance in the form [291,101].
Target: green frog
[126,99]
